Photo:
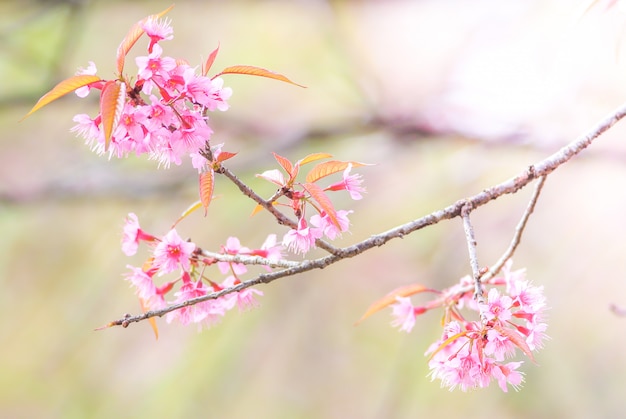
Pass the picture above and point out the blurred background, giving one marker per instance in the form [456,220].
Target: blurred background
[446,97]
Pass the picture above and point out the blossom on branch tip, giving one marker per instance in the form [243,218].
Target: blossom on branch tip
[350,183]
[157,30]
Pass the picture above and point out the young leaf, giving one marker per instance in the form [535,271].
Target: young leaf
[328,168]
[152,321]
[255,71]
[63,88]
[112,101]
[185,213]
[390,298]
[225,155]
[313,157]
[132,36]
[207,180]
[210,60]
[318,195]
[286,164]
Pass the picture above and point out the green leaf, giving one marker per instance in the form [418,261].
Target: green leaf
[63,88]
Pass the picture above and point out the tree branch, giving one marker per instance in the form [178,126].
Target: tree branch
[540,169]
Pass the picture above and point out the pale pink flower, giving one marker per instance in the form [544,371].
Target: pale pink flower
[350,183]
[233,247]
[498,307]
[157,30]
[132,235]
[324,225]
[173,253]
[302,239]
[269,249]
[89,71]
[145,288]
[88,129]
[507,374]
[404,314]
[499,346]
[204,313]
[153,65]
[244,299]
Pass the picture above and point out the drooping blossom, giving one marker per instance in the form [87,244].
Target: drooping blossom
[404,314]
[158,30]
[133,234]
[233,247]
[302,239]
[323,225]
[145,288]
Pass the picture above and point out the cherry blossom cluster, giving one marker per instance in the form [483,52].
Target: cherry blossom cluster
[171,254]
[472,353]
[163,114]
[325,221]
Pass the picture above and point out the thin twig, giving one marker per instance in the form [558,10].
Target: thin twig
[519,230]
[249,260]
[471,247]
[540,169]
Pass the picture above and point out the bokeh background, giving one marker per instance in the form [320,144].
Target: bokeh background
[446,97]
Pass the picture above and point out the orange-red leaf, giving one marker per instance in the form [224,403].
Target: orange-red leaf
[225,155]
[255,71]
[313,157]
[328,168]
[318,195]
[207,180]
[152,321]
[210,61]
[132,36]
[286,164]
[63,88]
[390,298]
[111,106]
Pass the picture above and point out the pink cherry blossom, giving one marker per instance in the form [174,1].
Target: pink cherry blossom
[233,247]
[173,253]
[157,30]
[145,288]
[323,224]
[91,70]
[302,239]
[404,314]
[243,299]
[132,235]
[497,307]
[350,183]
[153,65]
[205,313]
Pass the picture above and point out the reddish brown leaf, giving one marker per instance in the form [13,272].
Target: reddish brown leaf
[225,155]
[210,61]
[390,298]
[207,180]
[320,197]
[111,106]
[63,88]
[132,36]
[255,71]
[286,164]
